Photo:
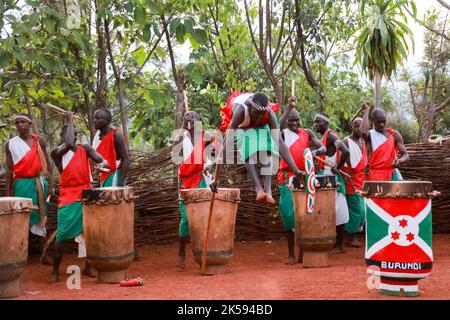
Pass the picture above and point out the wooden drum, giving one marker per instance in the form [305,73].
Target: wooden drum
[399,234]
[108,229]
[14,226]
[315,232]
[221,233]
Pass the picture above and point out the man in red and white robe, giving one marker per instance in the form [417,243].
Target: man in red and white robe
[355,166]
[27,165]
[385,147]
[72,161]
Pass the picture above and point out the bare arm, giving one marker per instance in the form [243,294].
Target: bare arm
[342,148]
[345,141]
[284,150]
[365,125]
[9,171]
[404,156]
[122,154]
[283,118]
[317,143]
[91,153]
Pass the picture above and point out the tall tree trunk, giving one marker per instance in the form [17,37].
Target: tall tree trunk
[377,89]
[100,96]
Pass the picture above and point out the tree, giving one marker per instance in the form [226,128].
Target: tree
[381,44]
[430,95]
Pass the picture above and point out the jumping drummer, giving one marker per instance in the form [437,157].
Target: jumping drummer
[27,168]
[193,171]
[355,166]
[335,157]
[72,161]
[383,145]
[251,122]
[297,140]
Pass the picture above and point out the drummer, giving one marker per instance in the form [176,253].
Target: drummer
[336,156]
[72,161]
[355,166]
[27,168]
[383,145]
[297,140]
[193,172]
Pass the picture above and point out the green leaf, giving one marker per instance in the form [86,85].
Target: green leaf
[174,25]
[147,33]
[45,62]
[384,34]
[49,25]
[181,31]
[139,14]
[200,36]
[5,58]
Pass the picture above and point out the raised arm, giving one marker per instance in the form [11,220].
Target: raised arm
[365,125]
[284,116]
[122,154]
[317,143]
[404,156]
[342,148]
[284,150]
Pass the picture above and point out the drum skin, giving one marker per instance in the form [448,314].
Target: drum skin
[108,229]
[221,233]
[14,228]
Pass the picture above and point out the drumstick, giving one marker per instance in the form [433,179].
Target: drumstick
[293,88]
[330,165]
[58,109]
[211,206]
[357,112]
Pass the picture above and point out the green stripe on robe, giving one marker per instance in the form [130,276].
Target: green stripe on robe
[249,141]
[26,188]
[70,221]
[356,211]
[112,180]
[286,207]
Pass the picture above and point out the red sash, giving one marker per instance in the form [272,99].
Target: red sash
[296,150]
[320,164]
[191,170]
[357,173]
[226,112]
[380,161]
[30,165]
[74,178]
[108,151]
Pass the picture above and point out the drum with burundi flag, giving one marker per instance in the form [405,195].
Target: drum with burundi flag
[399,234]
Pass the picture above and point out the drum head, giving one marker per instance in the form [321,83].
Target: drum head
[14,205]
[397,189]
[107,194]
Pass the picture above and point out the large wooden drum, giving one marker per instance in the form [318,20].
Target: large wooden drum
[399,234]
[14,226]
[108,229]
[221,233]
[315,232]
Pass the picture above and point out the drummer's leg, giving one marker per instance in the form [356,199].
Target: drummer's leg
[340,239]
[266,172]
[290,243]
[252,169]
[182,252]
[57,258]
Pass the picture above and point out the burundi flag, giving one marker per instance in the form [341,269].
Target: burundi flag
[399,237]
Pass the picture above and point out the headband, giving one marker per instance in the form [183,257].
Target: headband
[23,117]
[321,116]
[258,106]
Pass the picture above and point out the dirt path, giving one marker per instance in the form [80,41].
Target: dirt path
[257,271]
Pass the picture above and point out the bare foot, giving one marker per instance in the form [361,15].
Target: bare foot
[54,278]
[90,272]
[337,249]
[180,264]
[355,243]
[290,261]
[46,259]
[261,196]
[270,200]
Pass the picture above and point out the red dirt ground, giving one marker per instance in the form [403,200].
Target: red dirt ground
[257,271]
